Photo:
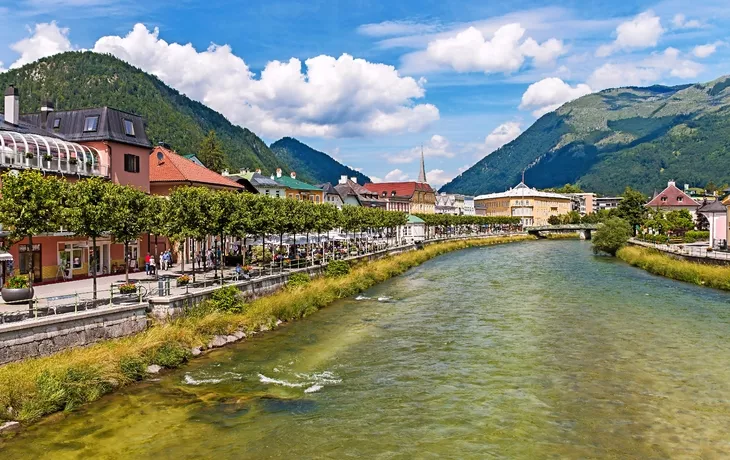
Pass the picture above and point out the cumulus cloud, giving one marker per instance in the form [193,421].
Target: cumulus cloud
[45,39]
[393,28]
[502,134]
[548,94]
[680,22]
[470,51]
[322,97]
[643,31]
[396,175]
[703,51]
[651,69]
[438,177]
[437,146]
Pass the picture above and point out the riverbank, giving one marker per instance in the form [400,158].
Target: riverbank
[37,387]
[656,262]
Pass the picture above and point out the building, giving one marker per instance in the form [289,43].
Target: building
[298,190]
[354,194]
[584,203]
[414,231]
[608,202]
[257,183]
[449,203]
[469,209]
[480,209]
[673,199]
[331,195]
[419,197]
[169,170]
[192,157]
[716,214]
[74,144]
[532,206]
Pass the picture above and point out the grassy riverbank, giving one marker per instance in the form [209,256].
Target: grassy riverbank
[563,236]
[37,387]
[656,262]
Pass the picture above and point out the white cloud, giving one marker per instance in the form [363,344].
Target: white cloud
[548,94]
[470,51]
[437,146]
[327,97]
[643,31]
[438,177]
[394,28]
[502,134]
[396,175]
[703,51]
[680,22]
[46,39]
[648,71]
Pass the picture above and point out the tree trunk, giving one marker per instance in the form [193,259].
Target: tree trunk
[126,262]
[96,256]
[158,264]
[31,275]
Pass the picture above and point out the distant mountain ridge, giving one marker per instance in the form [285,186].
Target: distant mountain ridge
[641,137]
[312,165]
[75,80]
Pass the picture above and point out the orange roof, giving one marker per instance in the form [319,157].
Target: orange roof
[168,166]
[406,189]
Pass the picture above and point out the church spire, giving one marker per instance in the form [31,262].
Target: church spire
[422,173]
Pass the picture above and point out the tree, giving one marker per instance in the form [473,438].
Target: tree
[129,217]
[89,212]
[31,205]
[185,216]
[611,236]
[567,188]
[632,208]
[679,221]
[211,154]
[554,220]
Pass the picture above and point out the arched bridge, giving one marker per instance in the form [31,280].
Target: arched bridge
[584,230]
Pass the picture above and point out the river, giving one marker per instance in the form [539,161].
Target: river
[526,350]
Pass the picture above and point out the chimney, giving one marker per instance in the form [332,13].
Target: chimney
[354,179]
[258,170]
[671,183]
[12,105]
[343,179]
[224,172]
[46,109]
[293,175]
[278,172]
[243,171]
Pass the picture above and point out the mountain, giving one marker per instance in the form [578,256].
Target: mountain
[77,80]
[312,165]
[641,137]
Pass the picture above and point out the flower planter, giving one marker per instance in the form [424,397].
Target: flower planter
[11,295]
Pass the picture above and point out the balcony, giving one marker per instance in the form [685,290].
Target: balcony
[32,151]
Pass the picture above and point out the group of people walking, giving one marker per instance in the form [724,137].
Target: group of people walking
[150,266]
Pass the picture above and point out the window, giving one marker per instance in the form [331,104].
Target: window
[56,123]
[679,198]
[131,163]
[128,127]
[664,198]
[277,194]
[91,123]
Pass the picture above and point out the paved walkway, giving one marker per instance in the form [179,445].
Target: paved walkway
[687,249]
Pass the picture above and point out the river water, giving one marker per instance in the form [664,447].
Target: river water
[527,350]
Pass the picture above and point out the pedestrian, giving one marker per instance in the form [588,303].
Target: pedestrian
[147,259]
[198,259]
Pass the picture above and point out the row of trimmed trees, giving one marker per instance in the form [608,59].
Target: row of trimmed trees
[447,224]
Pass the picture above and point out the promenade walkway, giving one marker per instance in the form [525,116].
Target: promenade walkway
[698,250]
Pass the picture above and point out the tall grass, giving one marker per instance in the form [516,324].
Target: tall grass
[40,386]
[656,262]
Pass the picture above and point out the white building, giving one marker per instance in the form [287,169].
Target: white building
[469,209]
[414,231]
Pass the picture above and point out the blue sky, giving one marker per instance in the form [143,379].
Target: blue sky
[369,81]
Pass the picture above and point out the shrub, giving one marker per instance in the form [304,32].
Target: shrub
[337,268]
[298,279]
[170,355]
[693,236]
[227,299]
[611,236]
[132,367]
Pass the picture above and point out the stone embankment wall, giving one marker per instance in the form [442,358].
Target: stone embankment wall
[51,334]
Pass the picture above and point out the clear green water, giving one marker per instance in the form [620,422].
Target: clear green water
[531,350]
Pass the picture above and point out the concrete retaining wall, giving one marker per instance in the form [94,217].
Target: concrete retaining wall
[51,334]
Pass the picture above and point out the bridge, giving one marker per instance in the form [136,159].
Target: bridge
[584,230]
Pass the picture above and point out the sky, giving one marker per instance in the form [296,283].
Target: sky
[373,82]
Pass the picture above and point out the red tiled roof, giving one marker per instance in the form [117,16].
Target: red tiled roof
[174,168]
[406,189]
[670,196]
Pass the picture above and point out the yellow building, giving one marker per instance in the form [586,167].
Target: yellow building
[532,206]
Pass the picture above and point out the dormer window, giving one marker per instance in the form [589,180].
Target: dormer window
[91,124]
[664,199]
[57,123]
[679,198]
[128,127]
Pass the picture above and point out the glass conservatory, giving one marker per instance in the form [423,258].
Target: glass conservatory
[26,150]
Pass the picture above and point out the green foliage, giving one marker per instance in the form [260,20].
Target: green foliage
[65,391]
[640,137]
[227,299]
[693,236]
[567,188]
[337,268]
[17,282]
[210,153]
[170,355]
[631,209]
[107,81]
[298,279]
[133,367]
[611,236]
[311,165]
[651,238]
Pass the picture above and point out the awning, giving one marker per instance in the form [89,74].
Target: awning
[5,256]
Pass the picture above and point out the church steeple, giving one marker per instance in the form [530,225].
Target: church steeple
[422,172]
